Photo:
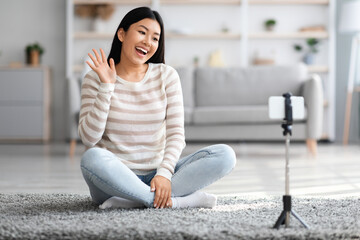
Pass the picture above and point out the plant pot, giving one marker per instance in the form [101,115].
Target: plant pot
[270,28]
[34,58]
[309,58]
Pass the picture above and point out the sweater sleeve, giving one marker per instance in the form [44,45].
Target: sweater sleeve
[95,106]
[175,137]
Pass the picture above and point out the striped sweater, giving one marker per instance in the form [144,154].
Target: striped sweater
[142,123]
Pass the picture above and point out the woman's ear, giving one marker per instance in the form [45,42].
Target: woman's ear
[121,34]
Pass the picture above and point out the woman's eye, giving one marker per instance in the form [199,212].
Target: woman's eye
[142,32]
[155,39]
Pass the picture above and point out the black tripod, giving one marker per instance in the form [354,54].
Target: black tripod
[284,217]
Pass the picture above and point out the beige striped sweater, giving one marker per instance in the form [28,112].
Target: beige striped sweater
[141,122]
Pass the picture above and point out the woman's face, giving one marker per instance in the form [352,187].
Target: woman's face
[140,41]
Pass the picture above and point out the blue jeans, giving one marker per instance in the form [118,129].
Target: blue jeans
[107,176]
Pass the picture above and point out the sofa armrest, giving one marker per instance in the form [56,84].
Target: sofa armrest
[314,101]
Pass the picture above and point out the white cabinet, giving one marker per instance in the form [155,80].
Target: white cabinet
[195,28]
[24,104]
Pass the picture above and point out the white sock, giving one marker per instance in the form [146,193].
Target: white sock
[195,200]
[118,202]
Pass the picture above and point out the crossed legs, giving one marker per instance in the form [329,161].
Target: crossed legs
[108,177]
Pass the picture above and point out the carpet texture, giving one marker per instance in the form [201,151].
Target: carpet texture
[71,216]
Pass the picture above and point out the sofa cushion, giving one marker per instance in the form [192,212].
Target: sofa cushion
[186,75]
[233,114]
[230,114]
[246,86]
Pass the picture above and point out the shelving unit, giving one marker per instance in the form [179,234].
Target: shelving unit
[238,41]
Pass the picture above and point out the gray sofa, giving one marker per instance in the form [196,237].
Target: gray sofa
[230,104]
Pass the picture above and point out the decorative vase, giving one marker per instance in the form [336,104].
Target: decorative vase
[34,57]
[309,58]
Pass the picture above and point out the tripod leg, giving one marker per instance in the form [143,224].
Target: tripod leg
[299,218]
[281,220]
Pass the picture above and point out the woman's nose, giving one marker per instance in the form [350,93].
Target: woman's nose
[147,41]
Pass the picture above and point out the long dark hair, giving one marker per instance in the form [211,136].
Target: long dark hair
[130,18]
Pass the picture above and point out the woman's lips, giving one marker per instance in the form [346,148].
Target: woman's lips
[141,50]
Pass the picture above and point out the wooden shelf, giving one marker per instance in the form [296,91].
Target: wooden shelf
[263,35]
[318,68]
[97,35]
[95,2]
[204,36]
[93,35]
[207,2]
[290,2]
[294,35]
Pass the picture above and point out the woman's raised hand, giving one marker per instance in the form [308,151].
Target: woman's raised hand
[106,73]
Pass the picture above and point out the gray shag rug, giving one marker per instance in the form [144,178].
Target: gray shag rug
[72,216]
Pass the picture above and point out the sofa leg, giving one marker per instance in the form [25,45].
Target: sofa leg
[72,148]
[312,146]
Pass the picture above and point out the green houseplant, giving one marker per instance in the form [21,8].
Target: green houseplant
[270,24]
[309,56]
[33,53]
[313,44]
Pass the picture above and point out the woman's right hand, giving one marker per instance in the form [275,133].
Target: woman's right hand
[106,73]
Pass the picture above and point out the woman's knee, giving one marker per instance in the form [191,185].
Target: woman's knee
[92,156]
[226,158]
[88,156]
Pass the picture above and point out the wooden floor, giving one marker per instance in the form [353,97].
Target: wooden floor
[260,170]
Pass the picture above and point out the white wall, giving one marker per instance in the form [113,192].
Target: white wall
[28,21]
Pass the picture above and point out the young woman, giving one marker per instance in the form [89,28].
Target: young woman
[132,121]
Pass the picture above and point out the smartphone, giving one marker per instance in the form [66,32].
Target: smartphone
[277,107]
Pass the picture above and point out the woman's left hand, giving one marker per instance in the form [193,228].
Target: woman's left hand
[162,188]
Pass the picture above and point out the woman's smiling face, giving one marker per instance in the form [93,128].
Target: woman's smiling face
[140,41]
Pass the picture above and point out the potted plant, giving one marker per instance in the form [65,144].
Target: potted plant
[309,56]
[270,24]
[33,53]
